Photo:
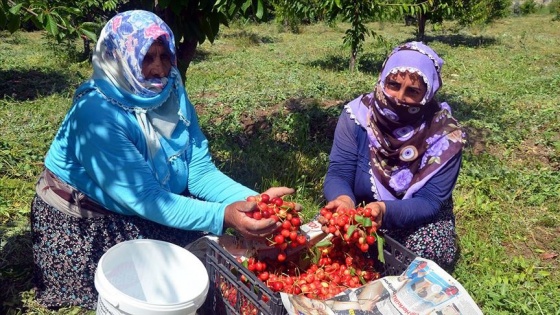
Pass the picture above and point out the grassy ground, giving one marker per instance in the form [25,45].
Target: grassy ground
[269,100]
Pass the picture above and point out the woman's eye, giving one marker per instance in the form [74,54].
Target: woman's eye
[413,91]
[148,58]
[393,85]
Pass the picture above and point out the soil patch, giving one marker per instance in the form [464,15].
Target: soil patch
[323,116]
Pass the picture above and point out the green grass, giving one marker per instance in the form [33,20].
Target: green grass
[268,100]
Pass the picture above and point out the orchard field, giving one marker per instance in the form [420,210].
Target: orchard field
[268,100]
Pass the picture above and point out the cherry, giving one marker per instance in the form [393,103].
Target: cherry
[257,215]
[279,239]
[263,276]
[265,198]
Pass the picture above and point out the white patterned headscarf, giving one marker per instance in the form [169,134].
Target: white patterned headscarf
[117,73]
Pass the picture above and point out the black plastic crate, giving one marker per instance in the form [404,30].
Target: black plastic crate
[397,257]
[245,293]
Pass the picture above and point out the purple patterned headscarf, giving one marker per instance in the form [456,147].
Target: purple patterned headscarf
[418,58]
[409,143]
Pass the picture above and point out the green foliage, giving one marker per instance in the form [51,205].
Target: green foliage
[268,101]
[434,12]
[554,8]
[194,22]
[60,19]
[9,19]
[466,12]
[292,14]
[528,7]
[469,12]
[357,14]
[63,22]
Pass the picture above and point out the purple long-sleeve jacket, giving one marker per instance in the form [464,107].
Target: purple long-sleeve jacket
[349,174]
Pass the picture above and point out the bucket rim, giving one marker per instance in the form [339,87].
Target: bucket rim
[111,293]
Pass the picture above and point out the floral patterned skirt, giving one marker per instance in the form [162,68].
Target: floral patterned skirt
[66,250]
[435,240]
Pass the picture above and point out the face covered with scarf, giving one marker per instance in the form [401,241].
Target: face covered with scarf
[412,137]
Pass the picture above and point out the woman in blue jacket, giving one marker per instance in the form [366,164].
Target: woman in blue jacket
[129,161]
[397,150]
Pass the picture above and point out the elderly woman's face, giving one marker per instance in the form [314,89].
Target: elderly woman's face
[405,87]
[157,62]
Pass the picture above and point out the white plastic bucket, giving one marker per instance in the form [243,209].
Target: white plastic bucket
[148,277]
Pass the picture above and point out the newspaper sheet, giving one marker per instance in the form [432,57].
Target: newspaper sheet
[424,288]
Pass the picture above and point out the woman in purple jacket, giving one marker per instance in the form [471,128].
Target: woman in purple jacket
[397,151]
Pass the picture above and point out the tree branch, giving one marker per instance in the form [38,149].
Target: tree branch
[11,3]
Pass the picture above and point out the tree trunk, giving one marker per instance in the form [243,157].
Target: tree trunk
[185,49]
[421,26]
[353,56]
[185,54]
[87,48]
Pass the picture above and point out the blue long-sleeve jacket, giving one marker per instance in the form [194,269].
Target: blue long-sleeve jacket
[101,151]
[349,174]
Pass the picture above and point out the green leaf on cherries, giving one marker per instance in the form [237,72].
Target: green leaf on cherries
[351,230]
[323,243]
[380,244]
[365,221]
[316,254]
[362,280]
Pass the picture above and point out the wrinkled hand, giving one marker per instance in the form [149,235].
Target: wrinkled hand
[341,202]
[281,192]
[236,218]
[378,210]
[278,191]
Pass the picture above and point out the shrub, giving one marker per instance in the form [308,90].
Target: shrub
[554,8]
[528,7]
